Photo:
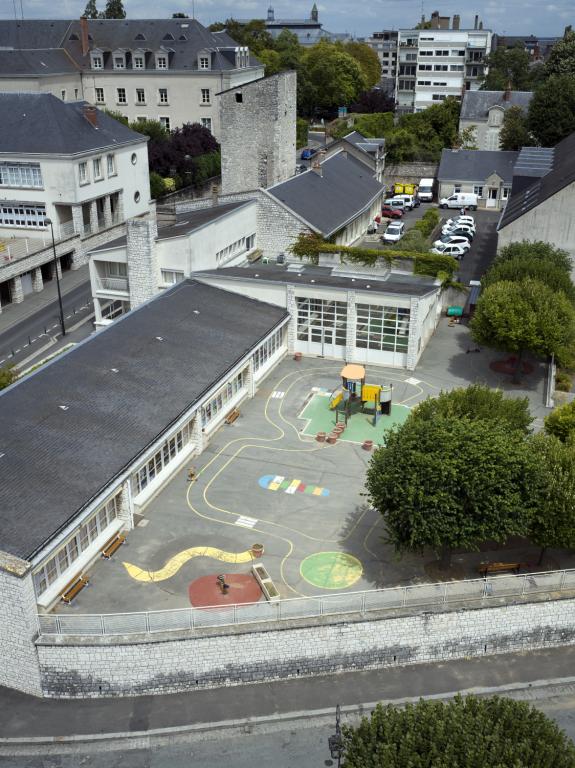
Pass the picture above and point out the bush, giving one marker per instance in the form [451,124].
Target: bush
[157,186]
[561,422]
[563,382]
[206,167]
[8,375]
[302,128]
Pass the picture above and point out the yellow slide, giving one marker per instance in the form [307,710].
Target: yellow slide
[335,399]
[175,563]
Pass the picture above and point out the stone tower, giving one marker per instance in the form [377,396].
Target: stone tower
[258,133]
[314,13]
[271,14]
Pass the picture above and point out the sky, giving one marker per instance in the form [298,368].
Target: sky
[512,17]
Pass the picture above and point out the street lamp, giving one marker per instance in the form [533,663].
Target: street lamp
[335,742]
[49,222]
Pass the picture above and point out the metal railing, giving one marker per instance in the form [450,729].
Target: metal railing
[112,283]
[504,589]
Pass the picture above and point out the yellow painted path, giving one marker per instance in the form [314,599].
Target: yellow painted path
[175,563]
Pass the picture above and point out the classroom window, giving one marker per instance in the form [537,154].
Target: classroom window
[22,215]
[21,175]
[321,320]
[268,349]
[163,456]
[218,402]
[171,276]
[83,173]
[385,329]
[97,166]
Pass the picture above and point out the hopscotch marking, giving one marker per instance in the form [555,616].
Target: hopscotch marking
[278,395]
[280,483]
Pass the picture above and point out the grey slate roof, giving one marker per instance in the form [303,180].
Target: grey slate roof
[560,176]
[367,145]
[54,461]
[40,123]
[328,202]
[475,165]
[476,104]
[33,33]
[392,283]
[36,62]
[184,224]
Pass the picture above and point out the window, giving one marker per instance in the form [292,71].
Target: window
[137,196]
[138,62]
[22,215]
[163,95]
[456,67]
[98,169]
[425,67]
[204,62]
[161,62]
[424,82]
[119,62]
[456,189]
[140,96]
[458,53]
[83,173]
[100,98]
[165,122]
[134,158]
[439,84]
[442,53]
[409,56]
[426,53]
[438,96]
[440,67]
[478,190]
[218,402]
[385,329]
[97,62]
[206,122]
[20,175]
[162,457]
[65,557]
[205,96]
[268,349]
[63,95]
[406,85]
[116,269]
[111,165]
[171,277]
[242,245]
[321,321]
[121,92]
[505,193]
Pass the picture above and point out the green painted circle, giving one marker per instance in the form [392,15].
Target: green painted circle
[331,570]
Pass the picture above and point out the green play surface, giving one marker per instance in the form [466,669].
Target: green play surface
[359,427]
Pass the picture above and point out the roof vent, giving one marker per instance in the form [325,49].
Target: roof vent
[115,370]
[295,268]
[183,38]
[168,36]
[159,338]
[196,311]
[2,455]
[63,407]
[140,36]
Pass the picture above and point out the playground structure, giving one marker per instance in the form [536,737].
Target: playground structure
[354,394]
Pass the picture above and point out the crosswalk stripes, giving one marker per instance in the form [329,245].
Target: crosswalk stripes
[246,522]
[277,394]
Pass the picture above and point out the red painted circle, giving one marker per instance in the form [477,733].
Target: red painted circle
[243,588]
[508,366]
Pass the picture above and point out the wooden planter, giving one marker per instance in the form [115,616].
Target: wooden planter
[332,438]
[367,445]
[320,437]
[297,357]
[257,550]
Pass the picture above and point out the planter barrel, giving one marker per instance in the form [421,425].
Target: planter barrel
[297,357]
[320,437]
[367,445]
[257,550]
[332,438]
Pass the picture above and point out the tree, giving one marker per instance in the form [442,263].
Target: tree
[302,132]
[553,522]
[536,250]
[336,77]
[180,15]
[562,57]
[477,402]
[289,49]
[561,422]
[467,139]
[521,267]
[253,34]
[451,482]
[465,732]
[114,10]
[551,115]
[507,67]
[524,315]
[271,61]
[514,132]
[157,186]
[375,100]
[367,59]
[91,11]
[8,375]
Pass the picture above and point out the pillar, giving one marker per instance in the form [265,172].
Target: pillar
[58,269]
[126,506]
[292,327]
[16,291]
[198,437]
[251,382]
[414,341]
[78,219]
[93,216]
[97,310]
[37,281]
[351,327]
[143,270]
[107,212]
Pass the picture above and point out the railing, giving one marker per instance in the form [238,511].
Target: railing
[112,283]
[66,229]
[505,589]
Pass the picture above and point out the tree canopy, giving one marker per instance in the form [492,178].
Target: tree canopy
[551,114]
[561,59]
[520,267]
[507,66]
[514,131]
[114,10]
[8,375]
[451,482]
[91,10]
[367,59]
[464,732]
[536,249]
[477,402]
[332,77]
[561,422]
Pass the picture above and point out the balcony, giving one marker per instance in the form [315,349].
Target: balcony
[116,284]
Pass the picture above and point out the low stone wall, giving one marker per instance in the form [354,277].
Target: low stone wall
[106,666]
[411,173]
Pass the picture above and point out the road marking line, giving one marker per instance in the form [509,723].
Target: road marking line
[246,522]
[278,395]
[412,381]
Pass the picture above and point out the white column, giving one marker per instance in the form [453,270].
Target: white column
[37,281]
[292,327]
[93,216]
[251,378]
[78,219]
[126,507]
[198,437]
[351,327]
[414,335]
[16,290]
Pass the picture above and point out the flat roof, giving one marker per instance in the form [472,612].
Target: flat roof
[74,425]
[393,282]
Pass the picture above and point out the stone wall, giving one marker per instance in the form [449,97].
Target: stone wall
[142,260]
[258,132]
[102,666]
[410,173]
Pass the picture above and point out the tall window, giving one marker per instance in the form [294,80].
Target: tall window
[160,460]
[63,95]
[97,62]
[165,122]
[83,173]
[218,402]
[163,95]
[205,95]
[268,349]
[138,62]
[171,276]
[20,175]
[206,122]
[98,168]
[385,329]
[111,165]
[204,62]
[100,98]
[22,215]
[119,62]
[140,96]
[161,62]
[321,321]
[121,96]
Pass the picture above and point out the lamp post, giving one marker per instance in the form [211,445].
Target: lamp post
[335,742]
[49,222]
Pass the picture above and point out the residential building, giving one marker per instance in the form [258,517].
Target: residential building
[487,174]
[484,112]
[160,69]
[384,43]
[537,47]
[152,256]
[543,197]
[436,63]
[69,163]
[368,151]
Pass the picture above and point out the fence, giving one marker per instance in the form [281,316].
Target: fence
[473,591]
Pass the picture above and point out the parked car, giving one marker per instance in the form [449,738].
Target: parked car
[460,200]
[307,153]
[460,232]
[391,213]
[453,240]
[394,232]
[460,220]
[465,227]
[411,201]
[450,249]
[425,191]
[395,202]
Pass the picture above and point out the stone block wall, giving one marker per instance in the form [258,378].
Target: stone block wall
[143,266]
[235,655]
[410,173]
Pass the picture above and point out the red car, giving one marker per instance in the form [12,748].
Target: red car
[391,213]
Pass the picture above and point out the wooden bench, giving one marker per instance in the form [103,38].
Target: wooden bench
[487,568]
[232,416]
[114,544]
[72,589]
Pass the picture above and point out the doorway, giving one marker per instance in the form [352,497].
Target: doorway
[492,194]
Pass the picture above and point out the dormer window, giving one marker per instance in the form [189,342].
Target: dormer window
[162,61]
[169,36]
[495,116]
[97,61]
[204,62]
[119,60]
[140,36]
[138,60]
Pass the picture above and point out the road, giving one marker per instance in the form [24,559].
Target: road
[33,332]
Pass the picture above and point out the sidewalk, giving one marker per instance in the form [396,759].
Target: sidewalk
[26,719]
[12,314]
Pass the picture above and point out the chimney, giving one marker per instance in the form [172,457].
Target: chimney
[316,163]
[476,22]
[480,25]
[214,194]
[165,215]
[84,35]
[456,21]
[91,114]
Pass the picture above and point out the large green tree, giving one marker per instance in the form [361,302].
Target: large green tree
[551,115]
[289,49]
[524,266]
[562,57]
[91,11]
[367,59]
[253,34]
[517,316]
[8,375]
[514,131]
[470,732]
[114,10]
[561,422]
[335,76]
[536,249]
[507,66]
[477,402]
[271,61]
[451,482]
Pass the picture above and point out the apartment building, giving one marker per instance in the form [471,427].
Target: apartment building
[385,45]
[160,69]
[436,63]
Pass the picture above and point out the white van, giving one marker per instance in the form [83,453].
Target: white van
[425,191]
[395,202]
[460,200]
